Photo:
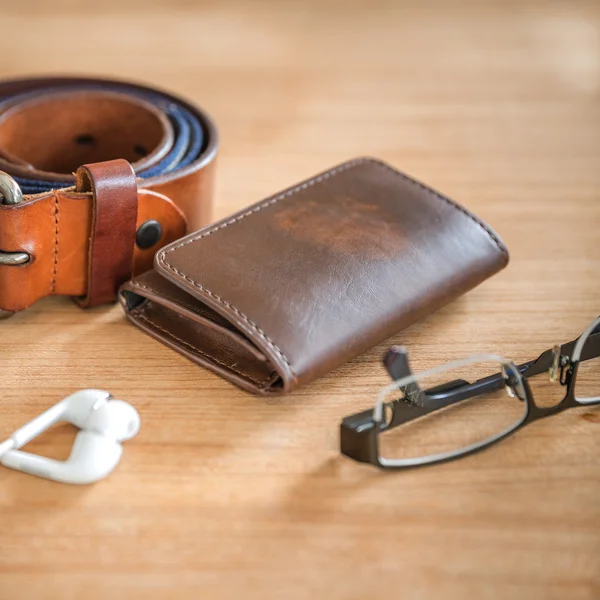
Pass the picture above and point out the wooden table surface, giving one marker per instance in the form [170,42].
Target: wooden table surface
[223,495]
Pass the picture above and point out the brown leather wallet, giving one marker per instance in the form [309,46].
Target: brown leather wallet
[85,236]
[294,286]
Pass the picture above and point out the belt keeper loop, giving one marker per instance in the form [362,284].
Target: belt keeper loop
[112,235]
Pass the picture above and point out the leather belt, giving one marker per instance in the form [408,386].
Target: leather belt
[76,222]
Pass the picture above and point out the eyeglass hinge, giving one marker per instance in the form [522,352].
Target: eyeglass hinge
[566,370]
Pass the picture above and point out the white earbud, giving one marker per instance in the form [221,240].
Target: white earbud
[104,423]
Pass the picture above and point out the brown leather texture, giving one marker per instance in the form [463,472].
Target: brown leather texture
[112,238]
[46,125]
[287,290]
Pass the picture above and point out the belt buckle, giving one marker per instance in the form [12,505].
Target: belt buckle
[11,194]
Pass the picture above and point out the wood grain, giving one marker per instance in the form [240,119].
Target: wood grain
[223,495]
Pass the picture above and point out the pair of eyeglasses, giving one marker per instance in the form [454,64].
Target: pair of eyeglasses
[438,415]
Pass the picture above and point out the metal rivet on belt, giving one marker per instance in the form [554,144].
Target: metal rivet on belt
[148,234]
[10,194]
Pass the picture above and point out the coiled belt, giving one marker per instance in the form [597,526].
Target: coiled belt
[76,222]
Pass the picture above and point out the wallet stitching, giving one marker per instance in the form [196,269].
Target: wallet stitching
[140,315]
[453,204]
[328,174]
[185,305]
[252,325]
[310,182]
[154,291]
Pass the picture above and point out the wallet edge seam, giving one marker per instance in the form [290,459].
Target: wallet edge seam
[139,313]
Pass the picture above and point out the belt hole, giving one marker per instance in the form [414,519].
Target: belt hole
[140,150]
[85,139]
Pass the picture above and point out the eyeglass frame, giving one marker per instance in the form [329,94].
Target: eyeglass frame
[359,433]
